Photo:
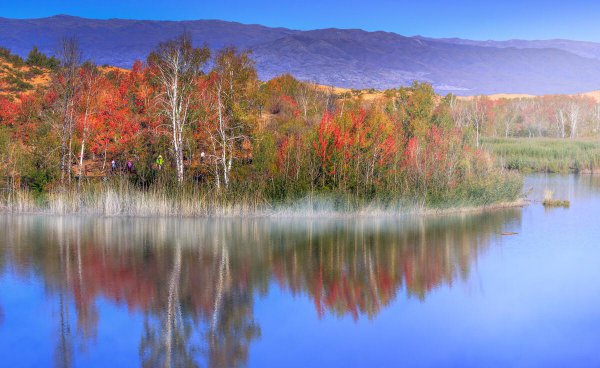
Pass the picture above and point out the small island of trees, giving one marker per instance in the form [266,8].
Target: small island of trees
[188,132]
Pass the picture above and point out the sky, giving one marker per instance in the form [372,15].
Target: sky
[472,19]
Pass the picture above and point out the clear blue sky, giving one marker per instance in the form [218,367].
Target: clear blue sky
[474,19]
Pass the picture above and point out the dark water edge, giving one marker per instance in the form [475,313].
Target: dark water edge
[414,291]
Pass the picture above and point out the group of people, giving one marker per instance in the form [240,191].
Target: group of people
[114,167]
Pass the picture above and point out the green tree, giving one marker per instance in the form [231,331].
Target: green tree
[37,58]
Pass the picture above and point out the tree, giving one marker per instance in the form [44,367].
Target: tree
[574,114]
[90,90]
[175,65]
[479,112]
[37,58]
[67,83]
[509,114]
[596,118]
[235,87]
[419,105]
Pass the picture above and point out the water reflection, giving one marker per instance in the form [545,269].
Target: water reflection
[195,282]
[583,187]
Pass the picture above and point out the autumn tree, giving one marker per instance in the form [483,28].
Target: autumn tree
[234,87]
[508,115]
[479,110]
[175,65]
[87,103]
[67,84]
[415,108]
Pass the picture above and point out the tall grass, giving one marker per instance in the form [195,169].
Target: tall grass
[546,154]
[549,200]
[120,197]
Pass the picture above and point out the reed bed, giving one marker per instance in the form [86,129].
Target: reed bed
[547,154]
[549,200]
[121,198]
[128,200]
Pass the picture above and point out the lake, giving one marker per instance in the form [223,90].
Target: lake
[447,291]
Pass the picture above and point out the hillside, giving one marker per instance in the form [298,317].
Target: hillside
[17,76]
[344,58]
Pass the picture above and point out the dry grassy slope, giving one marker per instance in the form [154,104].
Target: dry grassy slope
[594,94]
[370,95]
[365,94]
[15,79]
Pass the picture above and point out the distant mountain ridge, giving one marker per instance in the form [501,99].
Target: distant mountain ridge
[348,58]
[581,48]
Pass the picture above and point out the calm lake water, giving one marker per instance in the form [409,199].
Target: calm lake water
[436,292]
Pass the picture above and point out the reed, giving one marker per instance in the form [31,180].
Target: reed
[120,197]
[546,154]
[549,200]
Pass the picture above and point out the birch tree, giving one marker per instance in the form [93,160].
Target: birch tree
[560,119]
[175,65]
[68,85]
[306,96]
[478,112]
[574,110]
[596,118]
[90,90]
[459,113]
[235,88]
[509,114]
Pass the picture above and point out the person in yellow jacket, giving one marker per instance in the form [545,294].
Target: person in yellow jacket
[159,162]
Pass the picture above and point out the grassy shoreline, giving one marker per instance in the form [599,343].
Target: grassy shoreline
[241,211]
[129,201]
[546,155]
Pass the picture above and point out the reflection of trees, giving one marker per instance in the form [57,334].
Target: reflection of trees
[232,327]
[358,271]
[168,343]
[584,187]
[195,281]
[2,271]
[64,347]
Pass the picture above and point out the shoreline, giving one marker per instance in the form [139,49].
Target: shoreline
[522,202]
[232,213]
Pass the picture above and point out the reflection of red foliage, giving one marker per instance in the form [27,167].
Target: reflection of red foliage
[356,289]
[353,273]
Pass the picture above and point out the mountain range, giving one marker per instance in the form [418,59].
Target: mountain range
[349,58]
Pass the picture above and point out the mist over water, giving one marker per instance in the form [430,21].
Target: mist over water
[84,291]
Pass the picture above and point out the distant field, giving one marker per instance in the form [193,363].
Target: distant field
[546,154]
